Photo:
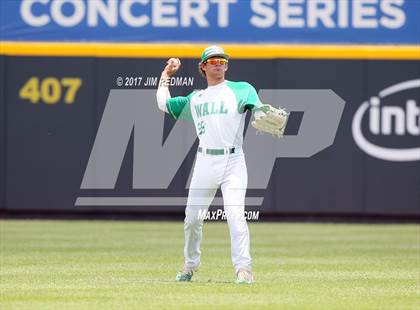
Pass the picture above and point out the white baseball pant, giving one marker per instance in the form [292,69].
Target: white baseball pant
[230,173]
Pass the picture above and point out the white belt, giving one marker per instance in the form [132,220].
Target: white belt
[218,151]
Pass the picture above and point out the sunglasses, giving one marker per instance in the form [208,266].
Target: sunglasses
[214,61]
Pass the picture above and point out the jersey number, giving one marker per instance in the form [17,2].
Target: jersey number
[201,128]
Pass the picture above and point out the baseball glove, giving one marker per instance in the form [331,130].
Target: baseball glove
[270,120]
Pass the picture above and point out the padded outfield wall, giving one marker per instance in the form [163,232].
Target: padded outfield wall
[81,131]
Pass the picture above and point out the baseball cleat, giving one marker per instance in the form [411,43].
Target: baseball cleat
[244,276]
[184,275]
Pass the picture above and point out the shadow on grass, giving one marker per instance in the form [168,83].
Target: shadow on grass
[209,281]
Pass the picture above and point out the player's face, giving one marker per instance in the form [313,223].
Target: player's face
[215,67]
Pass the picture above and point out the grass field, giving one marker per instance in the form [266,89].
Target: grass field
[132,265]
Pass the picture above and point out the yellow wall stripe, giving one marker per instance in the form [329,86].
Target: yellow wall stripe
[187,50]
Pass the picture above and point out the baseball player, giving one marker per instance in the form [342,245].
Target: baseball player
[218,113]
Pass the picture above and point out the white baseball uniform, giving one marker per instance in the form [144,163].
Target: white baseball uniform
[219,118]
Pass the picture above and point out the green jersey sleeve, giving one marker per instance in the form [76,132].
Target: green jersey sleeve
[246,96]
[179,107]
[253,101]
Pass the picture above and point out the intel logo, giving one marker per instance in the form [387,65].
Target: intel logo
[400,119]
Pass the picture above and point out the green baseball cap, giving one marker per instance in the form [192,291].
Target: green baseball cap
[213,51]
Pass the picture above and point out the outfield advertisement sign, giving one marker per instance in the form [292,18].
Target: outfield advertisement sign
[86,134]
[250,21]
